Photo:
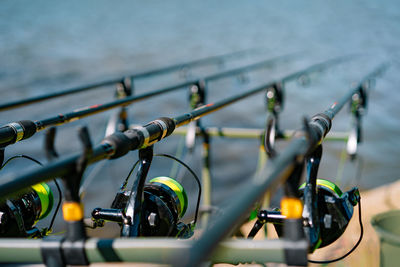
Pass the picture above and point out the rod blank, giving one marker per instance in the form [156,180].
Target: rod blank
[93,86]
[8,137]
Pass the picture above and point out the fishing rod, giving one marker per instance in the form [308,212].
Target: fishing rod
[126,205]
[21,130]
[285,167]
[274,103]
[281,167]
[126,79]
[118,144]
[70,116]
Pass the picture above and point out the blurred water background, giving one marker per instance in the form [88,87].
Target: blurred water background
[47,46]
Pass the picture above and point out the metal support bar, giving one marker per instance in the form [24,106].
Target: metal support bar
[206,177]
[254,133]
[152,250]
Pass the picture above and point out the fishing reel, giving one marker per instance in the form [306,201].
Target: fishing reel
[335,209]
[164,204]
[19,215]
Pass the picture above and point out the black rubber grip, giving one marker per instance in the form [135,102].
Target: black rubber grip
[7,136]
[323,121]
[136,138]
[29,128]
[121,143]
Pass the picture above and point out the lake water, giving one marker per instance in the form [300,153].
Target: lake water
[47,46]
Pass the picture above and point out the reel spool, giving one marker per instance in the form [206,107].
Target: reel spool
[19,215]
[165,203]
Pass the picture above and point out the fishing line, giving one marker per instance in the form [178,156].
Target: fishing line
[178,154]
[58,205]
[20,156]
[351,250]
[194,176]
[92,173]
[89,177]
[360,167]
[123,186]
[187,158]
[55,181]
[341,166]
